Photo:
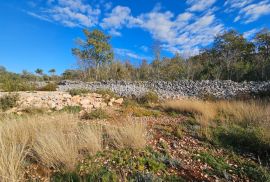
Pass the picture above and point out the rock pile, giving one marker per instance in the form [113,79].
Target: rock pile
[58,100]
[175,89]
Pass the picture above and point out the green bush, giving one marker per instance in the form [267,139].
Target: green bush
[74,92]
[95,114]
[148,97]
[14,84]
[8,101]
[49,87]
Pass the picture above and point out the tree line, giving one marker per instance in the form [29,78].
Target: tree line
[230,57]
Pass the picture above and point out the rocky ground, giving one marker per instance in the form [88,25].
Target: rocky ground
[175,89]
[58,100]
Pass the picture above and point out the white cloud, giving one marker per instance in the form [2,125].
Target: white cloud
[236,4]
[71,13]
[250,34]
[249,11]
[200,5]
[38,16]
[117,18]
[186,31]
[127,54]
[253,12]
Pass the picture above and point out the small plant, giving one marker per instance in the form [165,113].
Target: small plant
[72,109]
[74,92]
[218,164]
[49,87]
[8,101]
[95,114]
[148,97]
[104,92]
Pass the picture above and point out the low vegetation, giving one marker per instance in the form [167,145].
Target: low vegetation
[74,92]
[58,141]
[95,114]
[8,101]
[48,87]
[240,125]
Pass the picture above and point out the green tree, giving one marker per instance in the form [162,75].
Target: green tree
[95,51]
[39,71]
[262,41]
[52,71]
[232,48]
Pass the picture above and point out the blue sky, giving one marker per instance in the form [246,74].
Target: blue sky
[40,33]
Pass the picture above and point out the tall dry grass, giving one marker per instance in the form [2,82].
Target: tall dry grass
[57,141]
[129,134]
[203,111]
[252,114]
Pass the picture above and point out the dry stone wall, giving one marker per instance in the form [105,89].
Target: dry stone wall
[174,89]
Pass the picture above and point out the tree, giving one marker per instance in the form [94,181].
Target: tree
[39,71]
[156,64]
[52,71]
[232,48]
[95,51]
[262,41]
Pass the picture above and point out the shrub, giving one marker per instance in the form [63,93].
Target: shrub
[72,109]
[49,87]
[74,92]
[148,97]
[8,101]
[104,92]
[14,84]
[95,114]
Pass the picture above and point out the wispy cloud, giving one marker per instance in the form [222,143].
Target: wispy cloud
[251,33]
[200,5]
[71,13]
[128,54]
[249,11]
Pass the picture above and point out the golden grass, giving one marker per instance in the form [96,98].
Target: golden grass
[248,114]
[57,141]
[203,111]
[129,134]
[236,111]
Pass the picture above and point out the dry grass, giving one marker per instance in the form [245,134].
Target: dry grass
[57,141]
[246,114]
[203,111]
[129,134]
[236,111]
